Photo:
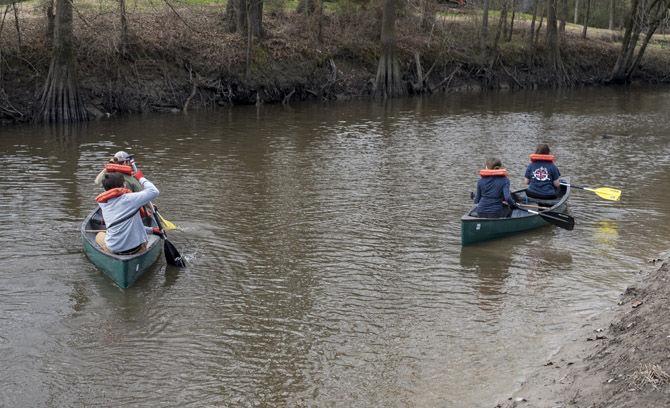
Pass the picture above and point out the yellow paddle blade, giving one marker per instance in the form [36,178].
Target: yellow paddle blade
[607,193]
[167,225]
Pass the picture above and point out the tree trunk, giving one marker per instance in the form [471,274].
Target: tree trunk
[123,39]
[307,7]
[51,18]
[16,24]
[587,15]
[576,12]
[239,13]
[483,37]
[552,36]
[427,14]
[60,100]
[531,36]
[611,10]
[511,22]
[388,83]
[539,25]
[564,15]
[501,25]
[656,16]
[630,38]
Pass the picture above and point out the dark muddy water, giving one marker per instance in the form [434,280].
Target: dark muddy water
[325,266]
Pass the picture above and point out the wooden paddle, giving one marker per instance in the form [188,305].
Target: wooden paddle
[171,254]
[606,193]
[558,219]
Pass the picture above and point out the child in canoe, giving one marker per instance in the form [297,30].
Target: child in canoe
[542,175]
[493,197]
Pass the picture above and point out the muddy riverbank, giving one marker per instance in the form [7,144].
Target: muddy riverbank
[618,359]
[185,59]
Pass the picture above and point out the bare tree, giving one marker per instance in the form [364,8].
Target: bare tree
[60,100]
[483,37]
[308,7]
[587,15]
[564,15]
[16,24]
[643,16]
[511,23]
[552,37]
[576,21]
[243,13]
[611,12]
[531,36]
[501,24]
[51,20]
[123,39]
[388,82]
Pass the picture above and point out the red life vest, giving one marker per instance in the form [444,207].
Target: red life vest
[493,173]
[119,168]
[113,193]
[542,157]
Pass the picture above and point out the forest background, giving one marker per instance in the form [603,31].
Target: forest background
[73,60]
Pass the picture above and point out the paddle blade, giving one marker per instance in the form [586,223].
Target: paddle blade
[608,193]
[172,255]
[167,225]
[558,219]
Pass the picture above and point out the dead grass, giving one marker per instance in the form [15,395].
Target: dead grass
[649,374]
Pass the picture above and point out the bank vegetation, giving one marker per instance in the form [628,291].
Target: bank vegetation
[71,60]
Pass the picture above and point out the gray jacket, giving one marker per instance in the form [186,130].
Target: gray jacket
[130,233]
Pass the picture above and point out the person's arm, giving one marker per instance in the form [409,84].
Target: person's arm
[149,192]
[508,196]
[527,176]
[100,177]
[478,196]
[557,177]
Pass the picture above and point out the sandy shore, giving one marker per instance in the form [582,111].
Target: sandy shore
[619,359]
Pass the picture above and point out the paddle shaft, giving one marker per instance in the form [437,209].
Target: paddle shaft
[558,219]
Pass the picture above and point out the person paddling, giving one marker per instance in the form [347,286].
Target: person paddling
[542,175]
[120,208]
[123,163]
[493,197]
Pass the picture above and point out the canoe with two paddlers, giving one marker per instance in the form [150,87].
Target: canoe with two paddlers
[535,213]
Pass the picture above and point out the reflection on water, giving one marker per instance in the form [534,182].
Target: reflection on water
[323,242]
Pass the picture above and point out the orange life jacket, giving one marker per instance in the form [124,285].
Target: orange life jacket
[112,193]
[542,157]
[493,173]
[119,168]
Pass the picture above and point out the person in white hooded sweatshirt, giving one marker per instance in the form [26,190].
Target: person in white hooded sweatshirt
[120,209]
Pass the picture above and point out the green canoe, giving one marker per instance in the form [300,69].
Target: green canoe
[475,229]
[124,270]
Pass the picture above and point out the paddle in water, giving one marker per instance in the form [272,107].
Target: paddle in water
[607,193]
[171,254]
[558,219]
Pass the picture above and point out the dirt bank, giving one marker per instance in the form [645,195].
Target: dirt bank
[621,359]
[188,60]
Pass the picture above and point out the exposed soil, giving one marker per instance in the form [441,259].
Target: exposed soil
[188,60]
[625,364]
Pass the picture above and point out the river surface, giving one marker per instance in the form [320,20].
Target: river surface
[323,248]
